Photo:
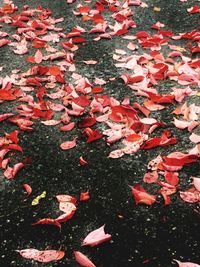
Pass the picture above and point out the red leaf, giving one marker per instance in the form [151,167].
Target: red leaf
[92,135]
[141,196]
[172,178]
[54,70]
[6,95]
[97,90]
[4,42]
[120,113]
[84,196]
[79,40]
[82,259]
[96,237]
[82,161]
[159,141]
[27,188]
[134,137]
[48,221]
[41,255]
[65,217]
[84,9]
[179,159]
[193,10]
[87,122]
[13,136]
[38,43]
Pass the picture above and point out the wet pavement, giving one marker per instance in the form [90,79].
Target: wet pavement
[141,235]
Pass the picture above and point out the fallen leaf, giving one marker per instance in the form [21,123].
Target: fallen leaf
[36,200]
[83,260]
[186,264]
[41,255]
[48,221]
[150,177]
[84,196]
[68,144]
[141,196]
[27,188]
[96,237]
[196,183]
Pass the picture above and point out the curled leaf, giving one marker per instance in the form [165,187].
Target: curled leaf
[96,237]
[38,198]
[48,221]
[187,264]
[141,196]
[27,188]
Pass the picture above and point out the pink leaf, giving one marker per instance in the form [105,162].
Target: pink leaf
[11,172]
[68,144]
[186,264]
[195,138]
[67,207]
[50,122]
[41,255]
[90,62]
[83,260]
[190,196]
[68,127]
[38,57]
[150,177]
[196,182]
[115,154]
[96,237]
[5,116]
[66,198]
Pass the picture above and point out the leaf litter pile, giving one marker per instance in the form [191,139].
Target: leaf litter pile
[52,92]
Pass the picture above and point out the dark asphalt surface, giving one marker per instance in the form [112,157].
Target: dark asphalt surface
[141,236]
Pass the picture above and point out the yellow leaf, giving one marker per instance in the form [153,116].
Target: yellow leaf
[198,94]
[38,198]
[156,9]
[180,49]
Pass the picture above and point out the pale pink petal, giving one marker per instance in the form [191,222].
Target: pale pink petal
[196,183]
[181,124]
[187,264]
[50,122]
[148,121]
[38,57]
[90,62]
[195,138]
[83,260]
[67,207]
[116,154]
[68,144]
[96,237]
